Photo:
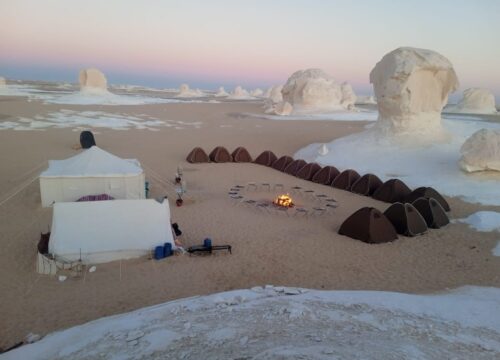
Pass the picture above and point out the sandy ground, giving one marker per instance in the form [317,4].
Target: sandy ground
[267,248]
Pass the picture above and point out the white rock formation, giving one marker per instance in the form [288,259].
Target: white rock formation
[93,81]
[221,92]
[323,150]
[365,100]
[475,101]
[257,93]
[3,83]
[283,108]
[312,90]
[348,96]
[240,93]
[412,86]
[185,91]
[274,93]
[481,151]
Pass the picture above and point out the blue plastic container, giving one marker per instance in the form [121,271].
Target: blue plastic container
[207,243]
[167,249]
[159,253]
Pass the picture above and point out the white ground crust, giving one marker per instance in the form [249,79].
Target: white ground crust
[290,323]
[434,165]
[483,221]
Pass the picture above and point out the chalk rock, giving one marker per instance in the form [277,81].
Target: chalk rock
[283,108]
[475,101]
[313,90]
[239,93]
[257,93]
[62,278]
[2,82]
[93,80]
[221,92]
[92,269]
[185,91]
[274,93]
[365,100]
[481,151]
[348,96]
[323,150]
[412,86]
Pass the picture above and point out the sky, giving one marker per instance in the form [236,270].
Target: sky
[254,43]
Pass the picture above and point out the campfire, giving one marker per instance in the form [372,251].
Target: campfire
[284,201]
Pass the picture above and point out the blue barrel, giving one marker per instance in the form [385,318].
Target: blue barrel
[207,243]
[159,253]
[167,249]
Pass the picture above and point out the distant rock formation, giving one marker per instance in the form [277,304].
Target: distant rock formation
[366,100]
[185,92]
[475,101]
[412,86]
[481,151]
[348,96]
[257,93]
[240,93]
[3,83]
[93,80]
[221,92]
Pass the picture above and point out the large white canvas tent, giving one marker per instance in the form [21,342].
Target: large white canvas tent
[102,231]
[92,172]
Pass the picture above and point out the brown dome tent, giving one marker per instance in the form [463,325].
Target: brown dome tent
[432,212]
[393,190]
[240,154]
[428,192]
[282,163]
[267,158]
[366,185]
[368,225]
[197,155]
[220,155]
[294,167]
[406,219]
[308,171]
[345,179]
[326,175]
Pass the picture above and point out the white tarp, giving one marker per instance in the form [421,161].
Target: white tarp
[109,230]
[92,172]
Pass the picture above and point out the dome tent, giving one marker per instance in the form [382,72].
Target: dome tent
[93,171]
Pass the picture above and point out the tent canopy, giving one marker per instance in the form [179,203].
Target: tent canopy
[103,231]
[93,162]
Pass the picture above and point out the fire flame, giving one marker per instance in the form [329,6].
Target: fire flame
[283,200]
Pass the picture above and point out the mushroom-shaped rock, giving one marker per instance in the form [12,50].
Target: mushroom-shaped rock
[92,80]
[475,101]
[313,90]
[412,86]
[481,151]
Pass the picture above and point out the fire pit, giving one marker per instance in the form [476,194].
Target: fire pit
[284,201]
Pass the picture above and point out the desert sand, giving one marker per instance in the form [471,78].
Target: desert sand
[267,248]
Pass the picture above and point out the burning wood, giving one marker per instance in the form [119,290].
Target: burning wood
[283,200]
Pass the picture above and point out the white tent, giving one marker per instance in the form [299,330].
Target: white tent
[102,231]
[92,172]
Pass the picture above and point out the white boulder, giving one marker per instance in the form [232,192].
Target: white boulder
[365,100]
[185,91]
[312,90]
[348,96]
[221,92]
[274,93]
[283,108]
[240,93]
[257,93]
[412,86]
[475,101]
[481,151]
[92,80]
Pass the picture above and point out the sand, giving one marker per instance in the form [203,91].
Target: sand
[267,248]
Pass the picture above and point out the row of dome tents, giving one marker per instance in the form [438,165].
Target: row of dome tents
[411,214]
[101,231]
[391,191]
